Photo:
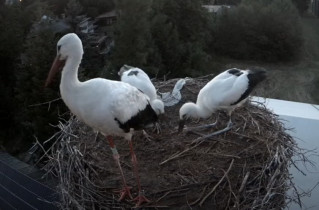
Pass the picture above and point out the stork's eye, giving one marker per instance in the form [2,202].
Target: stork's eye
[59,47]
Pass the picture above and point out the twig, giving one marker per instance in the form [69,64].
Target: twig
[218,183]
[182,152]
[200,197]
[167,193]
[244,182]
[48,102]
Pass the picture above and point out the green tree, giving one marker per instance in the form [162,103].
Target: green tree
[73,9]
[96,7]
[302,5]
[259,29]
[32,13]
[93,62]
[11,38]
[162,37]
[57,6]
[132,35]
[221,2]
[15,24]
[33,118]
[180,32]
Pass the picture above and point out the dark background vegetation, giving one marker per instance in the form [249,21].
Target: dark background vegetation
[164,37]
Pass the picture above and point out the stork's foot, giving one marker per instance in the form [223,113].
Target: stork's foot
[202,127]
[125,192]
[141,199]
[195,132]
[230,124]
[147,136]
[157,128]
[203,137]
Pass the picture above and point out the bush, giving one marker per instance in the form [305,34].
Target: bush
[32,116]
[180,34]
[259,29]
[162,37]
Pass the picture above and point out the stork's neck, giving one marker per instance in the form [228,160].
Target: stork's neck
[202,112]
[69,78]
[195,111]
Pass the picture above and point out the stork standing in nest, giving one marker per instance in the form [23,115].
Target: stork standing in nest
[111,107]
[227,91]
[139,79]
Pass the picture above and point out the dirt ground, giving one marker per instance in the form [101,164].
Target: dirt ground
[244,168]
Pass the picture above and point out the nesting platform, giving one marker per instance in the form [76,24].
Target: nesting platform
[245,168]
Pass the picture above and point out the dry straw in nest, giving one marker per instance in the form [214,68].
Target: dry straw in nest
[246,168]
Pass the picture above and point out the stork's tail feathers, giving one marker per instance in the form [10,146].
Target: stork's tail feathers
[256,76]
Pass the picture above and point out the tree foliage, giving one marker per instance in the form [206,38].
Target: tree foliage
[32,118]
[166,36]
[73,9]
[259,29]
[221,2]
[91,8]
[180,33]
[15,24]
[11,39]
[183,36]
[96,7]
[93,62]
[302,5]
[132,33]
[57,6]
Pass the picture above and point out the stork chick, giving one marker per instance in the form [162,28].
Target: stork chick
[227,91]
[139,79]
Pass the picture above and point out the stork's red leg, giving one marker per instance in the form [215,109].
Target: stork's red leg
[140,198]
[126,190]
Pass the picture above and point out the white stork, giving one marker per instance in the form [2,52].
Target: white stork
[139,79]
[111,107]
[226,91]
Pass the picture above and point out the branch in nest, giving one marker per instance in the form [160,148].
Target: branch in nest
[215,187]
[182,152]
[44,103]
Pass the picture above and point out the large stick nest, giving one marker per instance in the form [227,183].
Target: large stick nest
[245,168]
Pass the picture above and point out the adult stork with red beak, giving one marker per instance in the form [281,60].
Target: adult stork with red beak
[113,108]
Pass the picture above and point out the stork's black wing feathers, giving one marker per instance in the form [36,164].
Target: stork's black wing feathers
[254,77]
[235,72]
[132,73]
[140,120]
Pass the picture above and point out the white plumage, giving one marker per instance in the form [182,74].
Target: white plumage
[226,91]
[111,107]
[98,102]
[139,79]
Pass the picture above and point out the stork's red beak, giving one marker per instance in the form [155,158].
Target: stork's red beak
[56,67]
